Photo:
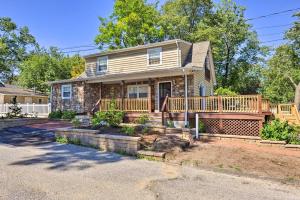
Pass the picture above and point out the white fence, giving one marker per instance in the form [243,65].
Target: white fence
[40,110]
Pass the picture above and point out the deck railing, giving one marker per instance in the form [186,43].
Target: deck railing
[240,103]
[126,104]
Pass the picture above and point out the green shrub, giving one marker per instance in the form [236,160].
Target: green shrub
[62,140]
[68,114]
[128,130]
[75,141]
[280,131]
[225,91]
[145,130]
[201,127]
[76,122]
[170,124]
[55,115]
[143,119]
[112,117]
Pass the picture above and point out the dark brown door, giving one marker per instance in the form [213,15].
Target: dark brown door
[164,90]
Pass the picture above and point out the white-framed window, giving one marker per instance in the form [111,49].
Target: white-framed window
[137,91]
[66,91]
[154,56]
[102,63]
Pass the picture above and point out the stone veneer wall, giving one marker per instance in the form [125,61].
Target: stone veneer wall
[76,103]
[6,123]
[115,143]
[85,95]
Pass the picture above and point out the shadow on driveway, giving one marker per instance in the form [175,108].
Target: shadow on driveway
[40,140]
[67,156]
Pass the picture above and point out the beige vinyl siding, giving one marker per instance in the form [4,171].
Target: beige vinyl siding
[199,78]
[184,49]
[1,98]
[134,61]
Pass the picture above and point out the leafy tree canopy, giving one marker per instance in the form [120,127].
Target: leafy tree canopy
[181,17]
[48,65]
[237,54]
[132,23]
[282,75]
[15,44]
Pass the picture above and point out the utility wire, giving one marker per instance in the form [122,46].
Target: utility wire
[268,27]
[271,14]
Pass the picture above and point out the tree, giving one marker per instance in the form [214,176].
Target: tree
[47,65]
[236,50]
[132,23]
[78,66]
[181,17]
[282,75]
[15,44]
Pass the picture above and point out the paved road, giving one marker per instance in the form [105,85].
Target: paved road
[33,167]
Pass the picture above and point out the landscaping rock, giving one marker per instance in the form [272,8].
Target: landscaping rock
[167,143]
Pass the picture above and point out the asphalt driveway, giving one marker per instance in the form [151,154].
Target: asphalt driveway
[34,167]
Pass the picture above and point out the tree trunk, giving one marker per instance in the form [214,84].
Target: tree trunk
[297,96]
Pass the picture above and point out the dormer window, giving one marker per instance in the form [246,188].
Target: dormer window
[154,56]
[102,64]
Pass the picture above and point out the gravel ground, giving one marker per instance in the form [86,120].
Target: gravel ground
[55,171]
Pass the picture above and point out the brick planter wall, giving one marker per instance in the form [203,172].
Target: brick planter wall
[115,143]
[7,123]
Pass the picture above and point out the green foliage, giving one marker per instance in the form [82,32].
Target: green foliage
[47,65]
[170,124]
[132,23]
[62,140]
[145,130]
[237,54]
[68,114]
[14,109]
[225,91]
[15,43]
[180,17]
[201,127]
[143,119]
[55,115]
[128,130]
[76,122]
[78,66]
[112,117]
[280,131]
[65,140]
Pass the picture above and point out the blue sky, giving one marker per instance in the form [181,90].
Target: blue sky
[67,23]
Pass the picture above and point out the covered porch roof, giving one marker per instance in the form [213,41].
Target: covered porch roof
[110,78]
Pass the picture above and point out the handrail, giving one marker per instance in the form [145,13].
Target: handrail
[239,103]
[96,105]
[163,109]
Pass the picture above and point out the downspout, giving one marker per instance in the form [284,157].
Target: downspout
[185,99]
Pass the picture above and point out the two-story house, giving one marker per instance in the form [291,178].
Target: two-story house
[139,78]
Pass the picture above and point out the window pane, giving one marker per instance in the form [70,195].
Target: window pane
[132,92]
[143,91]
[154,56]
[102,64]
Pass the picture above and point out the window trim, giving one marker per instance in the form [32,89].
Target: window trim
[138,91]
[62,91]
[160,56]
[98,62]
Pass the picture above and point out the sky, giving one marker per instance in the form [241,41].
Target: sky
[69,23]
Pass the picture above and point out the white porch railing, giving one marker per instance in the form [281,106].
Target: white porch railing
[41,110]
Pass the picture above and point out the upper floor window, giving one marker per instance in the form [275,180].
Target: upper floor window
[207,68]
[154,56]
[66,91]
[102,64]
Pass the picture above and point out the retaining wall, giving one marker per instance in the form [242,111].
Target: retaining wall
[7,123]
[106,142]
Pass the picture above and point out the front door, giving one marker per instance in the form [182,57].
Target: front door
[164,90]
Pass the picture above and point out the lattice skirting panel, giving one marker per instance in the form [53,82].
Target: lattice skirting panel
[232,126]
